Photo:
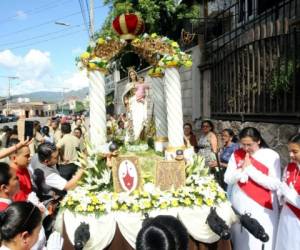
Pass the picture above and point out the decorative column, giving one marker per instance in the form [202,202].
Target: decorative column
[160,112]
[97,108]
[174,109]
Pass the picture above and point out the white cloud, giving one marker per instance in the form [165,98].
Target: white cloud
[35,72]
[21,15]
[9,60]
[76,81]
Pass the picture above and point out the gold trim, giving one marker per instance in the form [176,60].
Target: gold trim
[123,24]
[158,75]
[139,24]
[161,139]
[171,149]
[127,36]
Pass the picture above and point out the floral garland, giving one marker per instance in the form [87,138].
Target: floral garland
[157,50]
[83,201]
[96,196]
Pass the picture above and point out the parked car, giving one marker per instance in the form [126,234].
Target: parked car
[12,118]
[3,118]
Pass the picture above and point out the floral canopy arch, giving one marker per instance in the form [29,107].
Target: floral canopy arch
[162,53]
[158,51]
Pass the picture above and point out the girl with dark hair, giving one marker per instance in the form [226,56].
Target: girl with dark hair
[289,195]
[20,225]
[208,142]
[254,173]
[230,145]
[189,137]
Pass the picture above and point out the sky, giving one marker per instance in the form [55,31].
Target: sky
[38,51]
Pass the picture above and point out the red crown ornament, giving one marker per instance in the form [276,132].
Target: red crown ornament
[128,26]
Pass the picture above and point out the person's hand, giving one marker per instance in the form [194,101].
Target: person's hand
[213,164]
[24,143]
[247,161]
[55,241]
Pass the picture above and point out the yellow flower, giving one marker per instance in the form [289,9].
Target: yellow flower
[102,208]
[222,196]
[100,41]
[147,203]
[135,208]
[78,208]
[70,202]
[94,200]
[163,205]
[188,64]
[171,63]
[90,208]
[115,206]
[124,207]
[209,202]
[153,35]
[187,201]
[174,45]
[174,203]
[199,201]
[85,55]
[92,66]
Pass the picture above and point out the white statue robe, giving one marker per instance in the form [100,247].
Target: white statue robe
[242,239]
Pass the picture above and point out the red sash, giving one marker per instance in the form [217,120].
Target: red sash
[292,174]
[255,191]
[25,185]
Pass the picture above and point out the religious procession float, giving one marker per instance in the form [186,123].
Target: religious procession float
[147,171]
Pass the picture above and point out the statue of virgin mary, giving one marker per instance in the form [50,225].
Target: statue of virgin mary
[136,111]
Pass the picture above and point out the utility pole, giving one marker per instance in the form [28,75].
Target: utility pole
[91,10]
[10,78]
[63,98]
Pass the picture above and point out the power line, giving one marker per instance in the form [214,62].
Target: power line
[43,24]
[35,11]
[82,9]
[40,36]
[46,40]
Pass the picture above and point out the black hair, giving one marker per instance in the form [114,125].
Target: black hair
[231,134]
[153,237]
[210,124]
[79,129]
[5,174]
[45,130]
[164,230]
[188,124]
[295,139]
[254,134]
[66,128]
[12,142]
[19,217]
[45,151]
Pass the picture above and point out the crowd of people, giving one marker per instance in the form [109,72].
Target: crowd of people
[34,175]
[43,168]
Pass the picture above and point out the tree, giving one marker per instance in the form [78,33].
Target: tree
[162,17]
[79,107]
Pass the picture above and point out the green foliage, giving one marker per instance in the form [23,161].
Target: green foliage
[281,77]
[79,107]
[159,16]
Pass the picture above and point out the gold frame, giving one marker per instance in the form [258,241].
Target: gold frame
[166,177]
[115,170]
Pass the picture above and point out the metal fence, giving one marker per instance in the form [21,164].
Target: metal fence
[256,68]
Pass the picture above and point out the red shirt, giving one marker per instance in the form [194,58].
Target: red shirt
[25,185]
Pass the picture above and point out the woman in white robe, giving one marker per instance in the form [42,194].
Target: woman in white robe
[136,111]
[254,173]
[289,194]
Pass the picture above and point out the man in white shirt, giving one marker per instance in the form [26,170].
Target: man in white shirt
[47,177]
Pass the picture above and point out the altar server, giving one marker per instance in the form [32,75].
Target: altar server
[254,172]
[288,193]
